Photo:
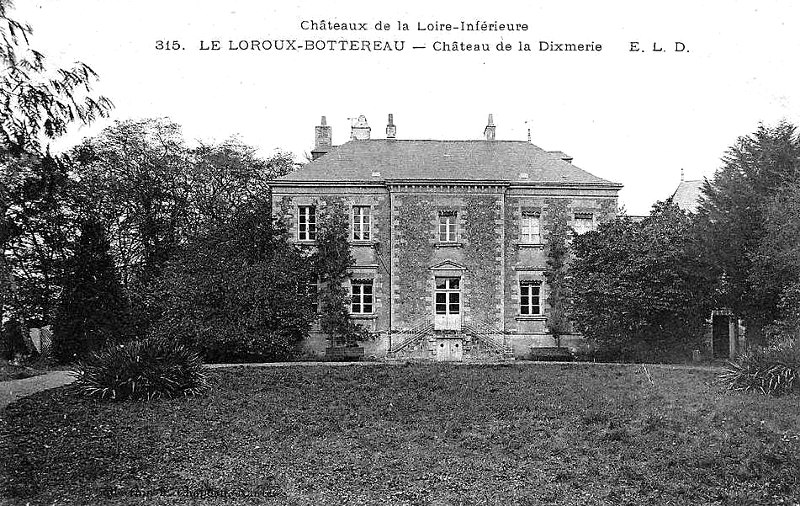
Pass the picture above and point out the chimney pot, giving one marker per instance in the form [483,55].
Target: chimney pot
[322,139]
[489,131]
[391,130]
[360,130]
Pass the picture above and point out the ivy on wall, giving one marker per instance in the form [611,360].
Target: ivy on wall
[557,254]
[480,252]
[331,261]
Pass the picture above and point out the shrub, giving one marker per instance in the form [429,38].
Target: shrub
[773,370]
[147,369]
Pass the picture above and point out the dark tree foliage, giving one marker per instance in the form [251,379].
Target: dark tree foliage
[734,219]
[777,260]
[557,269]
[332,259]
[92,310]
[236,293]
[641,291]
[38,102]
[11,341]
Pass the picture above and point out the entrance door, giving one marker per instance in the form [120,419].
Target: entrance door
[720,335]
[447,304]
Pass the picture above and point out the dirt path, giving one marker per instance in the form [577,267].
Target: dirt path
[14,389]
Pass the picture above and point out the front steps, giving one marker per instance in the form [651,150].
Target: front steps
[467,345]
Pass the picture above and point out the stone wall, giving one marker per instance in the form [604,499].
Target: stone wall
[475,256]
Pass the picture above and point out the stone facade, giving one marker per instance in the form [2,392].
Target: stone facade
[458,236]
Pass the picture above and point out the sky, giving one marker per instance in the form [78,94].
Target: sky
[633,117]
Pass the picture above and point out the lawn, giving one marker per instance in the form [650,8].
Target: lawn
[418,434]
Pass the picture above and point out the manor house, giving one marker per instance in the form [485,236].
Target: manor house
[449,236]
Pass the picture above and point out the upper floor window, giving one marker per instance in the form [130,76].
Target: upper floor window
[448,226]
[584,222]
[362,223]
[529,228]
[361,296]
[530,298]
[306,223]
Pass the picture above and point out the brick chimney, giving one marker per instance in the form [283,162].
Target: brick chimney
[360,129]
[489,130]
[322,139]
[391,130]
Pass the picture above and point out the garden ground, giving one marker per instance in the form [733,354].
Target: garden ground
[417,434]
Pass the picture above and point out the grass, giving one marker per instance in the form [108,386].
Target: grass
[421,434]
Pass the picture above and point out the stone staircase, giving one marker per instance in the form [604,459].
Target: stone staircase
[480,343]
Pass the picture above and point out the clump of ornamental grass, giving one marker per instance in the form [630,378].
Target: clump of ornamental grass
[773,370]
[148,369]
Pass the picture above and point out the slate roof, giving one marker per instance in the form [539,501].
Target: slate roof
[382,160]
[687,195]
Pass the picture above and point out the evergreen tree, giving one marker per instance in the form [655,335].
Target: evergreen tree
[732,219]
[332,260]
[92,309]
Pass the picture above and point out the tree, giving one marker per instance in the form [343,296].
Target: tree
[92,309]
[138,174]
[37,103]
[732,218]
[332,259]
[777,260]
[237,292]
[557,252]
[640,290]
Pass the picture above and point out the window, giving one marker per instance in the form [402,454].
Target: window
[361,223]
[306,223]
[584,222]
[529,228]
[447,296]
[309,288]
[448,226]
[361,296]
[530,298]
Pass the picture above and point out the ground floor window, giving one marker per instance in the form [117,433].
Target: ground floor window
[310,289]
[361,296]
[530,300]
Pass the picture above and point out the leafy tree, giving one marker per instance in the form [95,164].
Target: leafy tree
[137,173]
[92,309]
[226,176]
[157,193]
[557,252]
[37,103]
[732,218]
[236,293]
[332,259]
[640,290]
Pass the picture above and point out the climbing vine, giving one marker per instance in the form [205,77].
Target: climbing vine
[557,258]
[332,259]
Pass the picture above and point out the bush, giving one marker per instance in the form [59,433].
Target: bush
[147,369]
[773,370]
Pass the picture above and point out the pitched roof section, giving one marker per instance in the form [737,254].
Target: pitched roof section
[381,160]
[687,195]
